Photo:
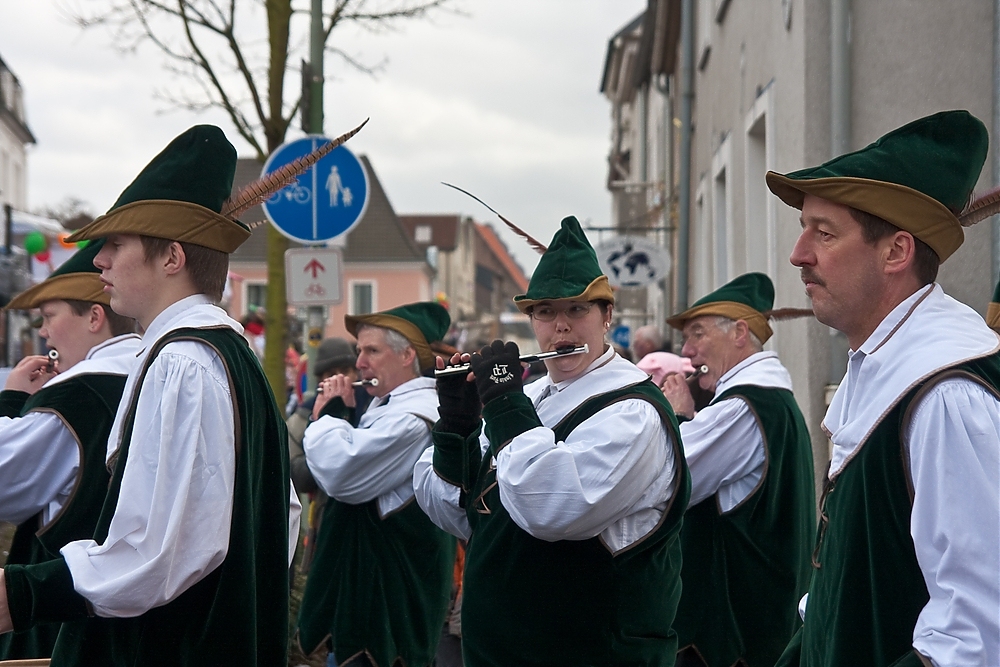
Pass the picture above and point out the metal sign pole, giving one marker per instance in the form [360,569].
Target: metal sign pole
[316,317]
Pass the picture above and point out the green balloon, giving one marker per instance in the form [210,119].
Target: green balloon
[35,243]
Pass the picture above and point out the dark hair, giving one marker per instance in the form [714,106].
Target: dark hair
[118,324]
[207,268]
[874,228]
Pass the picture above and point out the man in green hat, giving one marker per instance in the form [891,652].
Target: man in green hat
[570,490]
[188,562]
[380,581]
[750,523]
[54,423]
[908,547]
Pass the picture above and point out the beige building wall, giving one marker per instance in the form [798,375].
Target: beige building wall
[762,101]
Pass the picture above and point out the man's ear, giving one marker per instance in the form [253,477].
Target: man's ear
[409,354]
[742,330]
[174,259]
[898,252]
[96,318]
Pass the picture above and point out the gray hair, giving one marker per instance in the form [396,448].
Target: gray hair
[397,342]
[726,325]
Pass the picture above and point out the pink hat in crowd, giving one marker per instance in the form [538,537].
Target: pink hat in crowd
[660,364]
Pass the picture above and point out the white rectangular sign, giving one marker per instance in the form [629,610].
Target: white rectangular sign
[313,276]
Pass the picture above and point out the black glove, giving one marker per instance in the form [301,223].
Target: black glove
[459,407]
[498,370]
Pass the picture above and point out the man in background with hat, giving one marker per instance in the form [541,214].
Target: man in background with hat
[188,565]
[55,421]
[380,582]
[908,549]
[748,532]
[334,356]
[570,490]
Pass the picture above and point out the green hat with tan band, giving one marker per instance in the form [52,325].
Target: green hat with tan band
[918,177]
[420,323]
[179,195]
[749,297]
[568,269]
[77,278]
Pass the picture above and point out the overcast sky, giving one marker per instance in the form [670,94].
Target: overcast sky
[502,101]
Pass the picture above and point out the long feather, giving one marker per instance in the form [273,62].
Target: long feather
[261,189]
[980,208]
[538,247]
[787,313]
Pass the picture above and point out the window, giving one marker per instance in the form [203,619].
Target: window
[721,218]
[422,234]
[256,296]
[362,297]
[761,212]
[702,267]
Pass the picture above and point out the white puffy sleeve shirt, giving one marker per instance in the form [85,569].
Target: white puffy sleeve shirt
[374,460]
[611,477]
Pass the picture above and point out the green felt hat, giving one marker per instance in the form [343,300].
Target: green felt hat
[420,323]
[749,297]
[918,177]
[179,195]
[567,270]
[76,278]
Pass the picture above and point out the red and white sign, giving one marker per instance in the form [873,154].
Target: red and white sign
[313,276]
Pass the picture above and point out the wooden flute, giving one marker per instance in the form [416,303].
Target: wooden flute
[525,358]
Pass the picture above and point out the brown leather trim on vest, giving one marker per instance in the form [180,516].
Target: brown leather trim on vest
[396,510]
[908,415]
[79,472]
[767,460]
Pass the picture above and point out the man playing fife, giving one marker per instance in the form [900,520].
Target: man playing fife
[907,552]
[570,490]
[188,565]
[748,531]
[55,424]
[380,581]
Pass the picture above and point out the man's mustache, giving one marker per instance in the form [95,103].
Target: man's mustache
[809,277]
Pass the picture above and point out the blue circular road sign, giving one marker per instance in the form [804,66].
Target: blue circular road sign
[325,201]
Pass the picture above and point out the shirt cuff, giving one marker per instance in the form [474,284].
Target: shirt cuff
[42,593]
[12,402]
[507,417]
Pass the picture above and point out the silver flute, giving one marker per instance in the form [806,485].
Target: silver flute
[525,358]
[370,382]
[53,358]
[698,372]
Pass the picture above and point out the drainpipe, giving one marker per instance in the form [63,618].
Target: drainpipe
[684,184]
[664,85]
[995,223]
[840,135]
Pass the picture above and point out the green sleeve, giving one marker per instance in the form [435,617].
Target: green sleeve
[457,458]
[42,593]
[507,417]
[12,402]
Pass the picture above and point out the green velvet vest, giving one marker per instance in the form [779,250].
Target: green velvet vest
[867,588]
[528,602]
[378,585]
[86,404]
[745,570]
[238,614]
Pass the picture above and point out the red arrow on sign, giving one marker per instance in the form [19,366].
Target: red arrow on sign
[314,266]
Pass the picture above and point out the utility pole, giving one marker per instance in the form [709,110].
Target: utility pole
[316,318]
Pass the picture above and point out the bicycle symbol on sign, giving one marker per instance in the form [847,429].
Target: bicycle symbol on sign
[315,289]
[292,192]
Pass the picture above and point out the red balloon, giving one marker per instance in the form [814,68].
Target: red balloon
[43,256]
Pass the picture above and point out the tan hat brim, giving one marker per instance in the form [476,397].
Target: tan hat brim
[598,289]
[406,328]
[171,220]
[80,286]
[733,310]
[923,216]
[993,315]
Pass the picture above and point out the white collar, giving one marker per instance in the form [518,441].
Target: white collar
[926,333]
[197,311]
[115,356]
[761,369]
